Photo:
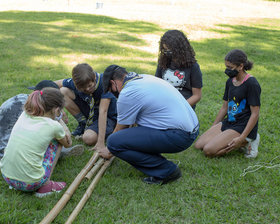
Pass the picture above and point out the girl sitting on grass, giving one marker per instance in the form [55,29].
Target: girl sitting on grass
[178,66]
[29,158]
[236,124]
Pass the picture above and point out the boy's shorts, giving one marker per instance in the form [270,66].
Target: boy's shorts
[84,108]
[111,124]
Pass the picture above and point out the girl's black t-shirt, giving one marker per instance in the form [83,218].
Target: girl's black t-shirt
[183,79]
[240,98]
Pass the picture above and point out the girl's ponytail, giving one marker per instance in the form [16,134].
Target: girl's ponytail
[34,104]
[41,102]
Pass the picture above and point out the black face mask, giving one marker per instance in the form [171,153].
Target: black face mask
[168,53]
[116,93]
[231,73]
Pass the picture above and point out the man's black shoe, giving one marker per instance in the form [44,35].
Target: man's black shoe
[79,130]
[173,176]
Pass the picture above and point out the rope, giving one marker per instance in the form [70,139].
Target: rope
[252,169]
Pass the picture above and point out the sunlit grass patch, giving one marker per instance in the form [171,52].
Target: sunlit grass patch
[43,45]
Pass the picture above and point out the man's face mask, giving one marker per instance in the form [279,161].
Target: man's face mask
[115,93]
[231,72]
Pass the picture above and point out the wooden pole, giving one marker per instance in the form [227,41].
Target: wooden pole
[95,168]
[89,191]
[68,194]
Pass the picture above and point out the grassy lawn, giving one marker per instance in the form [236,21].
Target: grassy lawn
[45,45]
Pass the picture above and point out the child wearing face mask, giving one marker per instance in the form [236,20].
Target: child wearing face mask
[236,125]
[178,66]
[29,157]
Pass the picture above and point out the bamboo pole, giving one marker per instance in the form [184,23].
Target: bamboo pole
[68,194]
[95,168]
[89,191]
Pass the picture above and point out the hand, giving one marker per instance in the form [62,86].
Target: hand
[105,153]
[234,144]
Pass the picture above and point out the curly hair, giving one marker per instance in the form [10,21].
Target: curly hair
[183,54]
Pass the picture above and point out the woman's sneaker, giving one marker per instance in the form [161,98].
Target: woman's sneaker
[50,188]
[251,149]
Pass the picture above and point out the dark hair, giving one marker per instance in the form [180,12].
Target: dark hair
[82,74]
[238,57]
[43,84]
[183,54]
[42,101]
[112,72]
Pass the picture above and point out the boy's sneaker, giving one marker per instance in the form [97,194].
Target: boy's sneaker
[79,130]
[251,149]
[50,188]
[75,150]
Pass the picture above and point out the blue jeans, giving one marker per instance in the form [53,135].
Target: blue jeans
[142,147]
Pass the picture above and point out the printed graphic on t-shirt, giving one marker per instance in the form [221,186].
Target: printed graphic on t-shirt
[234,109]
[175,77]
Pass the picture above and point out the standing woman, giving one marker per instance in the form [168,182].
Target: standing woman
[35,144]
[178,66]
[236,125]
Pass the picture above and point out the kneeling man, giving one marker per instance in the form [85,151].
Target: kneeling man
[166,123]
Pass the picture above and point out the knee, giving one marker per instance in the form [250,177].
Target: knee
[113,143]
[110,142]
[209,151]
[198,144]
[89,138]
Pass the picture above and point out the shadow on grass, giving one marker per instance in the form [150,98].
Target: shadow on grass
[39,44]
[42,45]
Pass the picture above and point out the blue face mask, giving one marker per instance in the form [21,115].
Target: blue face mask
[231,73]
[59,117]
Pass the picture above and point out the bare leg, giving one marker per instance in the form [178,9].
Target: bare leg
[208,136]
[217,146]
[90,137]
[69,97]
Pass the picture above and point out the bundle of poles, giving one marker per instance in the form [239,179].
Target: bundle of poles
[96,165]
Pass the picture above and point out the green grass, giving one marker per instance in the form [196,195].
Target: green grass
[42,45]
